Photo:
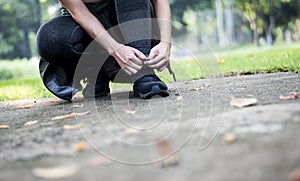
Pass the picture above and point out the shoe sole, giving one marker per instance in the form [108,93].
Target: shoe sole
[155,90]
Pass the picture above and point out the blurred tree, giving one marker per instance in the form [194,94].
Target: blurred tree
[18,18]
[179,7]
[265,15]
[225,16]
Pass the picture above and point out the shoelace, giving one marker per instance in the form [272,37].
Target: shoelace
[171,72]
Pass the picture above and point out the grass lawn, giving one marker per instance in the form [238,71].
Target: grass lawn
[22,89]
[24,82]
[244,60]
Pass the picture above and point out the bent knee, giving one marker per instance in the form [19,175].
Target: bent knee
[60,37]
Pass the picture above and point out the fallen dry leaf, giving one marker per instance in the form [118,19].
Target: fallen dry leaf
[101,160]
[82,146]
[72,115]
[295,175]
[230,138]
[72,127]
[243,102]
[77,106]
[195,88]
[109,141]
[26,106]
[52,101]
[293,95]
[56,172]
[129,112]
[179,98]
[165,149]
[30,123]
[131,131]
[4,126]
[220,61]
[82,114]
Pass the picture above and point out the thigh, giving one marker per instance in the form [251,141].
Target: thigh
[62,41]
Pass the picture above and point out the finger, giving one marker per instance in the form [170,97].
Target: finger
[139,54]
[154,60]
[159,65]
[133,65]
[131,70]
[136,60]
[126,71]
[152,54]
[164,67]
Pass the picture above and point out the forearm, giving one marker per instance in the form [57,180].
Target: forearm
[163,15]
[90,24]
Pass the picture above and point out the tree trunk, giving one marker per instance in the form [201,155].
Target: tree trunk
[255,32]
[27,49]
[38,14]
[230,25]
[24,45]
[298,7]
[271,27]
[220,25]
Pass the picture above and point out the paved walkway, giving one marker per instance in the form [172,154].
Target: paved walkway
[121,138]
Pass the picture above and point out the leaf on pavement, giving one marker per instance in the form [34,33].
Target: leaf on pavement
[295,175]
[81,146]
[77,106]
[56,172]
[109,141]
[293,95]
[195,88]
[30,123]
[4,126]
[101,160]
[72,115]
[52,101]
[179,98]
[129,112]
[230,138]
[131,131]
[165,150]
[72,127]
[26,106]
[243,102]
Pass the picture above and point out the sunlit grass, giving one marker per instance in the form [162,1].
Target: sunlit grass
[25,82]
[243,61]
[279,58]
[22,89]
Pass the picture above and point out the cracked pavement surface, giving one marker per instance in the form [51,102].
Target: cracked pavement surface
[126,131]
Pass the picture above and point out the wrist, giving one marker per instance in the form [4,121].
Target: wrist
[108,43]
[166,44]
[113,47]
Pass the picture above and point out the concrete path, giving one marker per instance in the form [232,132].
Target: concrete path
[195,134]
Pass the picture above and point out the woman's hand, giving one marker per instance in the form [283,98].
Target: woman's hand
[129,59]
[159,56]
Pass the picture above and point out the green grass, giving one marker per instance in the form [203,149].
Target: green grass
[280,58]
[22,89]
[24,82]
[240,61]
[18,69]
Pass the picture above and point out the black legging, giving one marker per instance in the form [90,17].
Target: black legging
[62,42]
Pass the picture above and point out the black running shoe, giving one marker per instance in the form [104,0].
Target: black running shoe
[100,89]
[149,86]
